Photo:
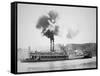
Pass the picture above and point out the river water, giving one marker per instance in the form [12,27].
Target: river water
[57,65]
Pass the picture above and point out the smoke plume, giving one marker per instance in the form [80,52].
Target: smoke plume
[43,23]
[47,24]
[72,33]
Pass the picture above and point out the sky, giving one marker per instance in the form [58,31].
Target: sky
[76,25]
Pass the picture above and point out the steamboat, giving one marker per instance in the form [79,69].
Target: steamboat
[45,56]
[54,56]
[49,30]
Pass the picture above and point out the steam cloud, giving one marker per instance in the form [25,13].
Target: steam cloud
[72,33]
[46,24]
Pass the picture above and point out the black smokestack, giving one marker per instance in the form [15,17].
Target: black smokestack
[47,24]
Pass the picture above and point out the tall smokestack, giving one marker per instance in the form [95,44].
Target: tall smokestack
[49,29]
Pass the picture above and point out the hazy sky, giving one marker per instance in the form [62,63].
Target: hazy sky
[77,25]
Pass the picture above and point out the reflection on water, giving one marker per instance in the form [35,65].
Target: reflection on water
[57,65]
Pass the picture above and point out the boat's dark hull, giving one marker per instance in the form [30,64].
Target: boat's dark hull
[30,60]
[44,59]
[53,57]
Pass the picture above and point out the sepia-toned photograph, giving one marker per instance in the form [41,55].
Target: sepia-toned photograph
[52,38]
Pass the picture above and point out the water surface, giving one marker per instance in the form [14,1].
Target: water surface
[57,65]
